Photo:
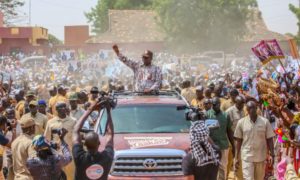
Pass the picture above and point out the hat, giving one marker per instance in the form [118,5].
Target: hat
[199,88]
[42,102]
[26,122]
[30,93]
[39,143]
[33,103]
[94,89]
[73,97]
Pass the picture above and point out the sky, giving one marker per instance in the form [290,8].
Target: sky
[55,14]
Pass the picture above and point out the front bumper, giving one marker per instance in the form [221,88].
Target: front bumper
[151,178]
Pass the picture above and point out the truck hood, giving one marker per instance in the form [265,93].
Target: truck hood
[148,140]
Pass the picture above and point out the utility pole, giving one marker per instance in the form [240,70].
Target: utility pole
[29,13]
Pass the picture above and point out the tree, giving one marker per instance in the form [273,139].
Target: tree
[98,15]
[54,40]
[296,11]
[194,25]
[9,9]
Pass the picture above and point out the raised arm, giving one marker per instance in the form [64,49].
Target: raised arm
[83,118]
[110,128]
[128,62]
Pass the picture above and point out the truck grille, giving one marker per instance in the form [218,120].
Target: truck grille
[148,162]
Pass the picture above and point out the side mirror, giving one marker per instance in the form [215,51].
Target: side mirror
[212,124]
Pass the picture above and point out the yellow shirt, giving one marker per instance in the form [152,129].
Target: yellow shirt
[54,100]
[226,104]
[20,109]
[40,122]
[189,94]
[21,150]
[56,123]
[196,103]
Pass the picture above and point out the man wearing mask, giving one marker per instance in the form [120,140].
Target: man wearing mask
[57,123]
[92,164]
[39,118]
[254,138]
[22,149]
[147,77]
[221,135]
[235,113]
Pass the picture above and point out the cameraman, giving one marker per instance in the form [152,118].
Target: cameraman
[92,164]
[202,161]
[48,164]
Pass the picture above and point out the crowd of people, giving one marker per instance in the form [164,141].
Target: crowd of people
[44,108]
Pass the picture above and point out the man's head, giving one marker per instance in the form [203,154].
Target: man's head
[239,102]
[207,93]
[186,84]
[33,107]
[20,95]
[147,57]
[42,105]
[94,92]
[92,142]
[199,92]
[82,97]
[3,122]
[41,146]
[10,113]
[233,93]
[207,104]
[73,100]
[216,104]
[218,90]
[30,96]
[53,91]
[27,125]
[61,108]
[61,90]
[211,86]
[252,108]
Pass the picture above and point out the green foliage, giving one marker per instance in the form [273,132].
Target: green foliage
[296,11]
[9,9]
[53,39]
[194,25]
[98,15]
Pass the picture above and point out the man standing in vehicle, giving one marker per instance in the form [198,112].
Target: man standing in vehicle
[147,77]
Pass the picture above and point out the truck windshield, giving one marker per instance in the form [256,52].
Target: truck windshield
[147,119]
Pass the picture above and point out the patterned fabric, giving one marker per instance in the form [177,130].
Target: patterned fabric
[145,77]
[202,150]
[50,168]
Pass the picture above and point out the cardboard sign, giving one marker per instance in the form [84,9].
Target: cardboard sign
[263,52]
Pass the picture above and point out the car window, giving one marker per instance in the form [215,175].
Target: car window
[146,119]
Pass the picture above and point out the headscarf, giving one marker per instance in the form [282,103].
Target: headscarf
[202,150]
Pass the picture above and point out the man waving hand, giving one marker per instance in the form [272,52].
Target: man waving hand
[147,77]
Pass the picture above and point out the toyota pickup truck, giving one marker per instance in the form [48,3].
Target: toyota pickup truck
[151,136]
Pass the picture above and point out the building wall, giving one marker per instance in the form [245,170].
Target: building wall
[76,35]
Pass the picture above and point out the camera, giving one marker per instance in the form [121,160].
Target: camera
[193,113]
[56,131]
[8,124]
[105,98]
[54,145]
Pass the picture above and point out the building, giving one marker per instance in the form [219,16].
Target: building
[23,39]
[136,30]
[76,35]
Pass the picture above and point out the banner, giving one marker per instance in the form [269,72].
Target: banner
[263,52]
[267,50]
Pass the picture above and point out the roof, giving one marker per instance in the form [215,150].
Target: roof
[131,26]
